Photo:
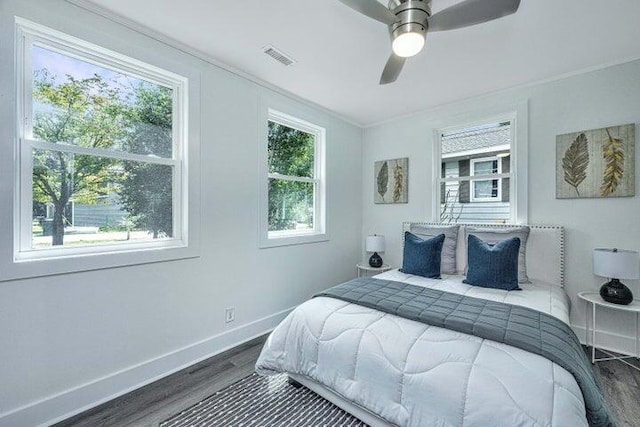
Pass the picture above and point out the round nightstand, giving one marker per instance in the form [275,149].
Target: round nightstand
[365,270]
[596,300]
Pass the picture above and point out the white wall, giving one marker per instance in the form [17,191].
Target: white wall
[592,100]
[71,340]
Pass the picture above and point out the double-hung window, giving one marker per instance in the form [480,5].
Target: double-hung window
[101,150]
[475,184]
[295,173]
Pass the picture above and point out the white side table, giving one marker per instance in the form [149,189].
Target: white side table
[596,300]
[365,270]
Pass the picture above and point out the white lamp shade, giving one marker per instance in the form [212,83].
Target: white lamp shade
[375,244]
[616,263]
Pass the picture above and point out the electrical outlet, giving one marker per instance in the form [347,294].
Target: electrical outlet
[229,315]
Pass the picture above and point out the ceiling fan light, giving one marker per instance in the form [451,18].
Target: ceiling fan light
[408,44]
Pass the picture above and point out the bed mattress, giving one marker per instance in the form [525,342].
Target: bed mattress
[412,374]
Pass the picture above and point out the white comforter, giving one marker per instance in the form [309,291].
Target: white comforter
[413,374]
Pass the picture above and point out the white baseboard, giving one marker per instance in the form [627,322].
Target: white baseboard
[607,340]
[78,399]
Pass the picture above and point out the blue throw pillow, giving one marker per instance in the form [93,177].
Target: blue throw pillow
[422,257]
[493,265]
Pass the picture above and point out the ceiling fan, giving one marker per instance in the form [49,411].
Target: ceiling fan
[410,20]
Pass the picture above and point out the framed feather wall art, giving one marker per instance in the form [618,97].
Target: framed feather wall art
[596,163]
[390,181]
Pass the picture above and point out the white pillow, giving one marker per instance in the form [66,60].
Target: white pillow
[448,256]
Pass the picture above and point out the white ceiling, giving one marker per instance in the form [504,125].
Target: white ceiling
[340,53]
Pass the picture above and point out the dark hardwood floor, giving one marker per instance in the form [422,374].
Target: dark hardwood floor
[621,387]
[156,402]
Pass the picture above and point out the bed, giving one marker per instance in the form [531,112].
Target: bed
[392,371]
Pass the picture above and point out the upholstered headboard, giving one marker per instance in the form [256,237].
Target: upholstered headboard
[544,254]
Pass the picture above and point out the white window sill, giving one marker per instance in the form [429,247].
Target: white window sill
[73,263]
[292,239]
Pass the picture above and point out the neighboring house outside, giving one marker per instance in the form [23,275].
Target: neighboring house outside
[481,151]
[98,215]
[103,214]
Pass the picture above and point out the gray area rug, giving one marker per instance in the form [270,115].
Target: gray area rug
[263,401]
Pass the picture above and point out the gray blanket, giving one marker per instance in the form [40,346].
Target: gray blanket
[517,326]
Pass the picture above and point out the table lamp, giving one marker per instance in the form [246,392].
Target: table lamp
[375,244]
[616,264]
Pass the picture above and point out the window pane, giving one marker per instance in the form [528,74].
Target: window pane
[79,103]
[452,169]
[291,151]
[479,150]
[290,205]
[86,200]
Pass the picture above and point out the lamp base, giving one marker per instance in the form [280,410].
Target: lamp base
[375,260]
[616,293]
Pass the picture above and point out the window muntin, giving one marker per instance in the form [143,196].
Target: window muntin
[99,132]
[294,195]
[475,178]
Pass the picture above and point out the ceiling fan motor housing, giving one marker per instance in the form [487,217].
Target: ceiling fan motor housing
[413,18]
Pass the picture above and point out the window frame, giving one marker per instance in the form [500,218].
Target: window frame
[493,112]
[29,262]
[268,238]
[472,189]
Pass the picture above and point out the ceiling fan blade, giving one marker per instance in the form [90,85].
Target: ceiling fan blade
[392,69]
[372,9]
[471,12]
